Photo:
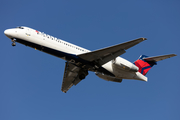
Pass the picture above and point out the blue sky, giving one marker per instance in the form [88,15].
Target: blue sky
[30,80]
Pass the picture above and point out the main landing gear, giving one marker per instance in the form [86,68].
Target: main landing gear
[14,41]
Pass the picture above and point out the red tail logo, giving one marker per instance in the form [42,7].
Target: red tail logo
[144,66]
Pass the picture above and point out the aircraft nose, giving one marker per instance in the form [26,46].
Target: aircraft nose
[7,32]
[10,33]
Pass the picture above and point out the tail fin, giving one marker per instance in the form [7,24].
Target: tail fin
[145,63]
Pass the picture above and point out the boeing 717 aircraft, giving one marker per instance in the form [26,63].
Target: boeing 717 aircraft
[105,62]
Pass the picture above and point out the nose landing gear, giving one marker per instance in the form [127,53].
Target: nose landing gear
[14,41]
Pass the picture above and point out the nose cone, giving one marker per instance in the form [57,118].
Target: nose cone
[7,32]
[10,33]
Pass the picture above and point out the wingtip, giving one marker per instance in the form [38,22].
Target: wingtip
[63,91]
[144,38]
[174,54]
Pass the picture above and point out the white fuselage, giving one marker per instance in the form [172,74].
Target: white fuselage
[120,67]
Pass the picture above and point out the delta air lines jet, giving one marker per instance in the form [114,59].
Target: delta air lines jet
[105,62]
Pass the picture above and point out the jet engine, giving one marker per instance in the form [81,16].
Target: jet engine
[120,63]
[107,77]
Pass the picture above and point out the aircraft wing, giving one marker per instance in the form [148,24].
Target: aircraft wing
[104,55]
[158,58]
[71,76]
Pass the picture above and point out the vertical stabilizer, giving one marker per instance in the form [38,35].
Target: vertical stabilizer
[144,65]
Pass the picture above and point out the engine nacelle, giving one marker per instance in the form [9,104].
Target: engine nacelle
[108,78]
[123,64]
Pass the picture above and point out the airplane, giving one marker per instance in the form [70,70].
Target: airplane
[106,62]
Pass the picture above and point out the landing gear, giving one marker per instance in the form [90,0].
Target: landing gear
[13,44]
[14,41]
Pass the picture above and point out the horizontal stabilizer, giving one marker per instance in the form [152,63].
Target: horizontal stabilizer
[145,63]
[158,58]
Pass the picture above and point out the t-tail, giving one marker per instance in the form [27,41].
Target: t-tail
[145,63]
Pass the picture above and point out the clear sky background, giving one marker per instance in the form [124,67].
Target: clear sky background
[30,80]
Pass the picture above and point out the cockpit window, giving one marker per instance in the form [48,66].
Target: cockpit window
[20,27]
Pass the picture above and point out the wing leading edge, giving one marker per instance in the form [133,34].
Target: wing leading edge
[104,55]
